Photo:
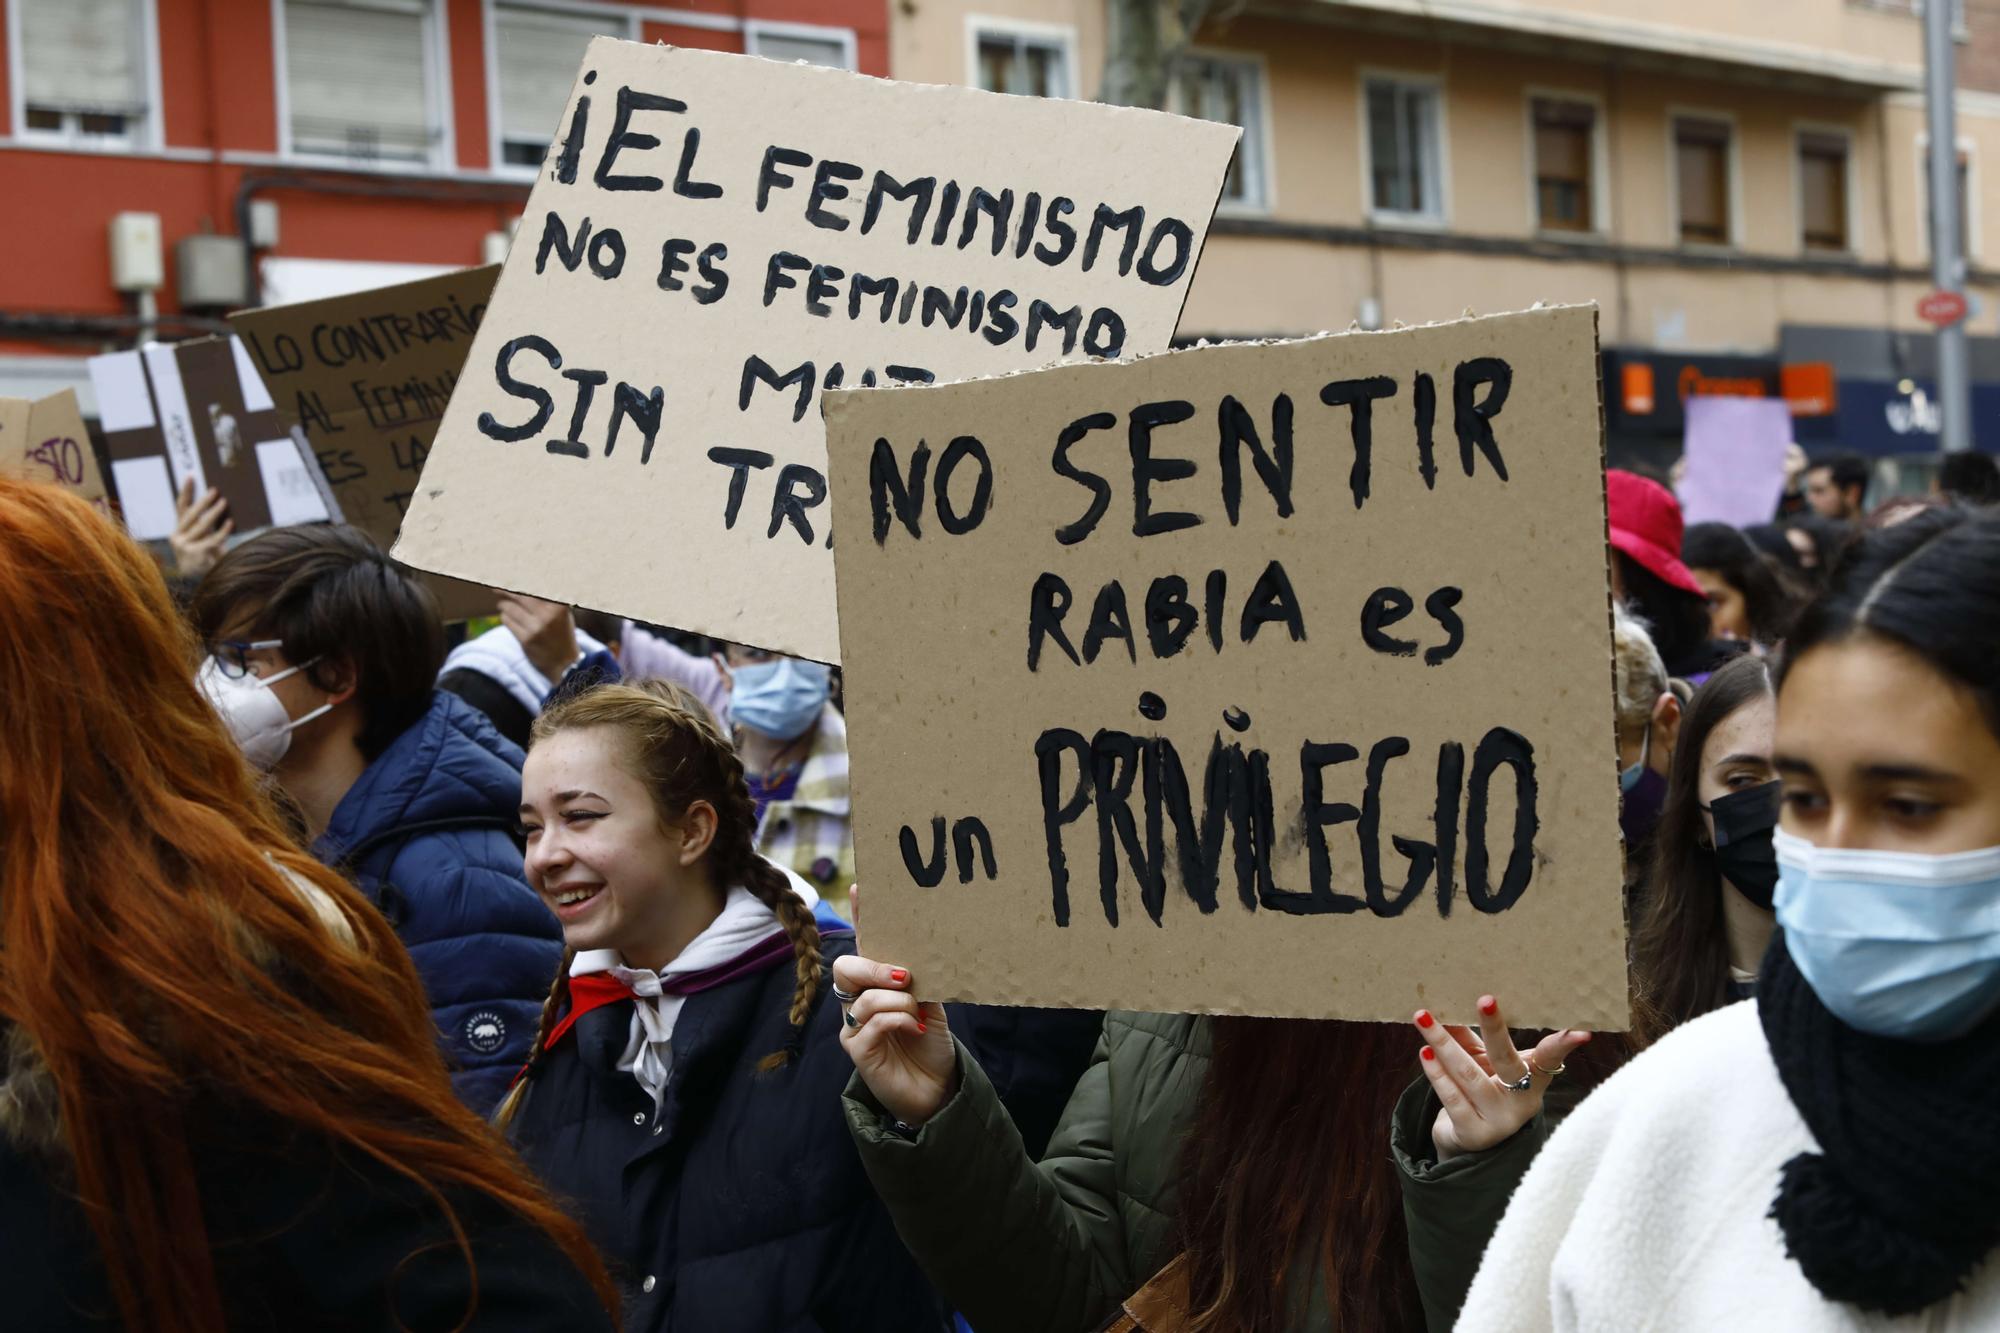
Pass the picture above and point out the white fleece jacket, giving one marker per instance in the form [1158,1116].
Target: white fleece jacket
[1646,1211]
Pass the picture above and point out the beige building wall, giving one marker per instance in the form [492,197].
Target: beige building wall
[1309,257]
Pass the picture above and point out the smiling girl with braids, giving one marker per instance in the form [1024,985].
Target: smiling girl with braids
[684,1089]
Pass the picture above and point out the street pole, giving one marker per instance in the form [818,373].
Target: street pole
[1954,386]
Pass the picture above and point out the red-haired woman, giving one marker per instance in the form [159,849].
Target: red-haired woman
[221,1099]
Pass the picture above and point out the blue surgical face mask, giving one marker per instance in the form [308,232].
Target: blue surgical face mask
[781,698]
[1642,793]
[1900,944]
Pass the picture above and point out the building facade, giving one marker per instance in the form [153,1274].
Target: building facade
[1740,187]
[296,148]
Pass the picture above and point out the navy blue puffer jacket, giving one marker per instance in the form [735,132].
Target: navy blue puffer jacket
[428,833]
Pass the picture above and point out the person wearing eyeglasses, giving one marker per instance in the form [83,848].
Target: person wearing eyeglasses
[322,659]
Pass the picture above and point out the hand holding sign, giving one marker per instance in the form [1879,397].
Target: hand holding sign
[1478,1081]
[546,632]
[201,528]
[900,1046]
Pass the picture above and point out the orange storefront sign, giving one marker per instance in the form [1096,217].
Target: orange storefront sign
[1638,387]
[1807,387]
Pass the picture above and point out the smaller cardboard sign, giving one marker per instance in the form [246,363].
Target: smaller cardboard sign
[197,411]
[47,441]
[14,413]
[1257,679]
[1735,460]
[366,376]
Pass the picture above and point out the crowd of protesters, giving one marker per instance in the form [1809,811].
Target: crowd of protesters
[355,978]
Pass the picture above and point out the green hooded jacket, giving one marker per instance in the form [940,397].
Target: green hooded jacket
[1021,1247]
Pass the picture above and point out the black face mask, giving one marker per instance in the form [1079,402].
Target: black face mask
[1743,851]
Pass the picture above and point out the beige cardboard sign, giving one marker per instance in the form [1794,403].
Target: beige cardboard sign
[46,440]
[366,376]
[1254,679]
[717,239]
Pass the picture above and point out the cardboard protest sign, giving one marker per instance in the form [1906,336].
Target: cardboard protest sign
[1735,449]
[716,239]
[1257,679]
[46,440]
[198,410]
[366,377]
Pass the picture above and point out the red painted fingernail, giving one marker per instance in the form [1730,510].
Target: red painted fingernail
[1424,1018]
[899,974]
[1489,1005]
[1430,1054]
[922,1028]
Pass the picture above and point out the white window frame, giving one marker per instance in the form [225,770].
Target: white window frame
[437,100]
[1600,165]
[755,30]
[1970,241]
[1259,169]
[1435,85]
[1060,36]
[496,140]
[149,135]
[1732,166]
[1845,133]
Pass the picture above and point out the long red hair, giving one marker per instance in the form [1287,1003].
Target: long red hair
[1286,1173]
[143,899]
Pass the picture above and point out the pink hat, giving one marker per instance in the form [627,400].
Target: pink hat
[1646,525]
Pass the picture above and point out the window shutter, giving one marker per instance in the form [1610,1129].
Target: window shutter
[358,79]
[539,54]
[81,55]
[812,50]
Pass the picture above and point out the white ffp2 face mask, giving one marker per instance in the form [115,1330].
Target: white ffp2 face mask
[255,716]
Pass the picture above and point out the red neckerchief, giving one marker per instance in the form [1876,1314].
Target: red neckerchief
[594,990]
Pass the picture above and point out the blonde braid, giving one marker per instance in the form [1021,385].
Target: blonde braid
[510,1105]
[741,862]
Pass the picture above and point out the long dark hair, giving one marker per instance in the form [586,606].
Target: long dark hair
[1932,584]
[1285,1158]
[1680,947]
[1719,547]
[1676,618]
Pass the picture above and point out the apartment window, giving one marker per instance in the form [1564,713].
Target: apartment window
[1701,176]
[814,48]
[537,53]
[1565,167]
[1231,91]
[1027,64]
[1823,191]
[1405,151]
[82,71]
[358,76]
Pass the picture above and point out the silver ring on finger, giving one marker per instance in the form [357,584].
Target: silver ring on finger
[847,1017]
[1525,1083]
[842,996]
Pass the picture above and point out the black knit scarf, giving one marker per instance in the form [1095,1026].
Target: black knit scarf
[1902,1201]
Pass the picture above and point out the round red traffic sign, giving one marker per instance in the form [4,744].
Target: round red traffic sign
[1941,308]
